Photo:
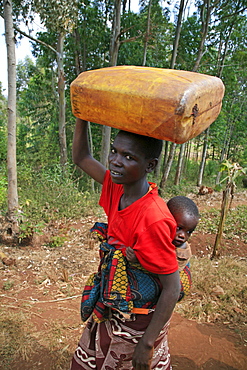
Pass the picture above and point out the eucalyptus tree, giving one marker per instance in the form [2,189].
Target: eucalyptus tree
[3,126]
[114,47]
[232,31]
[11,151]
[37,129]
[59,16]
[168,164]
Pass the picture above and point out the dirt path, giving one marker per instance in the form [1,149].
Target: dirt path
[40,291]
[205,346]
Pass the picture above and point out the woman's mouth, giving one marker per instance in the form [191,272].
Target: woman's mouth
[115,173]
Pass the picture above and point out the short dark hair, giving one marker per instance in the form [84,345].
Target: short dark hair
[149,146]
[181,203]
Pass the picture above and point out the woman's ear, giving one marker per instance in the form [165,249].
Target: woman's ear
[152,163]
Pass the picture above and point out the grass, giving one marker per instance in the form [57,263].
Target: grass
[15,338]
[235,224]
[20,346]
[219,292]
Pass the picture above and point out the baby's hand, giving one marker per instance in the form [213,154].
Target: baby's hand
[130,255]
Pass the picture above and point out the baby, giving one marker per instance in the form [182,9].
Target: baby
[186,215]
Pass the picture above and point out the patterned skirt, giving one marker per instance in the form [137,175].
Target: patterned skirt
[109,345]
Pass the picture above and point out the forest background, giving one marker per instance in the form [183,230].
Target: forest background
[210,39]
[55,204]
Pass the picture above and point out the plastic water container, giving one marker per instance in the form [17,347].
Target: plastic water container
[166,104]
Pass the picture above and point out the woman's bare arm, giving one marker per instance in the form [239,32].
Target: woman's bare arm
[81,153]
[143,353]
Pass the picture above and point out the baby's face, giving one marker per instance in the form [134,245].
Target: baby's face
[186,224]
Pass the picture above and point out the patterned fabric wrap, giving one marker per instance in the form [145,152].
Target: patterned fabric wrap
[109,345]
[185,282]
[117,284]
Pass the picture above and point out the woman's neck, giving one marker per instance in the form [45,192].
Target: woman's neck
[132,194]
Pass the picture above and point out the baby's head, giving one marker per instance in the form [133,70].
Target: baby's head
[186,214]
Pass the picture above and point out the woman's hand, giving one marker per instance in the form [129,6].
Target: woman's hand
[142,357]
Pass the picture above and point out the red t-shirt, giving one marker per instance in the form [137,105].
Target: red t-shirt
[146,225]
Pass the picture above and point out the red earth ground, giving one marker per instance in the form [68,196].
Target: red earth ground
[44,284]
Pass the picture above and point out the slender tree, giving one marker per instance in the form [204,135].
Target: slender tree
[11,151]
[168,164]
[233,171]
[204,155]
[146,37]
[114,47]
[59,16]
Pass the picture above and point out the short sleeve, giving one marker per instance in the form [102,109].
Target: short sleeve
[154,248]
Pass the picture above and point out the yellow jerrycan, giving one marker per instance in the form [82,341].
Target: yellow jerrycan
[167,104]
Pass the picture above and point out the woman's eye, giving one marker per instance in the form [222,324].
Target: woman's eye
[128,157]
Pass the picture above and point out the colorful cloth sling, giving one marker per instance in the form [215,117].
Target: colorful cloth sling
[117,285]
[185,282]
[121,286]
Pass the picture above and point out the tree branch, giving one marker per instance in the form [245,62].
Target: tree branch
[36,40]
[130,39]
[33,39]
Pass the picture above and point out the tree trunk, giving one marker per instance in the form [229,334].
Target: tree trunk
[168,165]
[114,47]
[115,41]
[177,35]
[147,34]
[78,58]
[203,160]
[11,152]
[205,23]
[224,209]
[61,93]
[180,165]
[187,155]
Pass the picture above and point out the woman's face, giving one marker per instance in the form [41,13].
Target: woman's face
[127,163]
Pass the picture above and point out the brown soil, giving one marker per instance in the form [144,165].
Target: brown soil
[45,284]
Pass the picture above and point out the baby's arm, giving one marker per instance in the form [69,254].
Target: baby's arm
[130,255]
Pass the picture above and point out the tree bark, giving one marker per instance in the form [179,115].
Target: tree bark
[114,47]
[177,35]
[168,165]
[203,160]
[147,34]
[11,151]
[179,165]
[227,193]
[205,23]
[61,93]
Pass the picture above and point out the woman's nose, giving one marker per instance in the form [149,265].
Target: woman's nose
[116,159]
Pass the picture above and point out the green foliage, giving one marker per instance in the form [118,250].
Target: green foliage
[235,223]
[233,171]
[58,15]
[27,229]
[37,127]
[3,125]
[3,189]
[48,194]
[57,241]
[8,285]
[87,47]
